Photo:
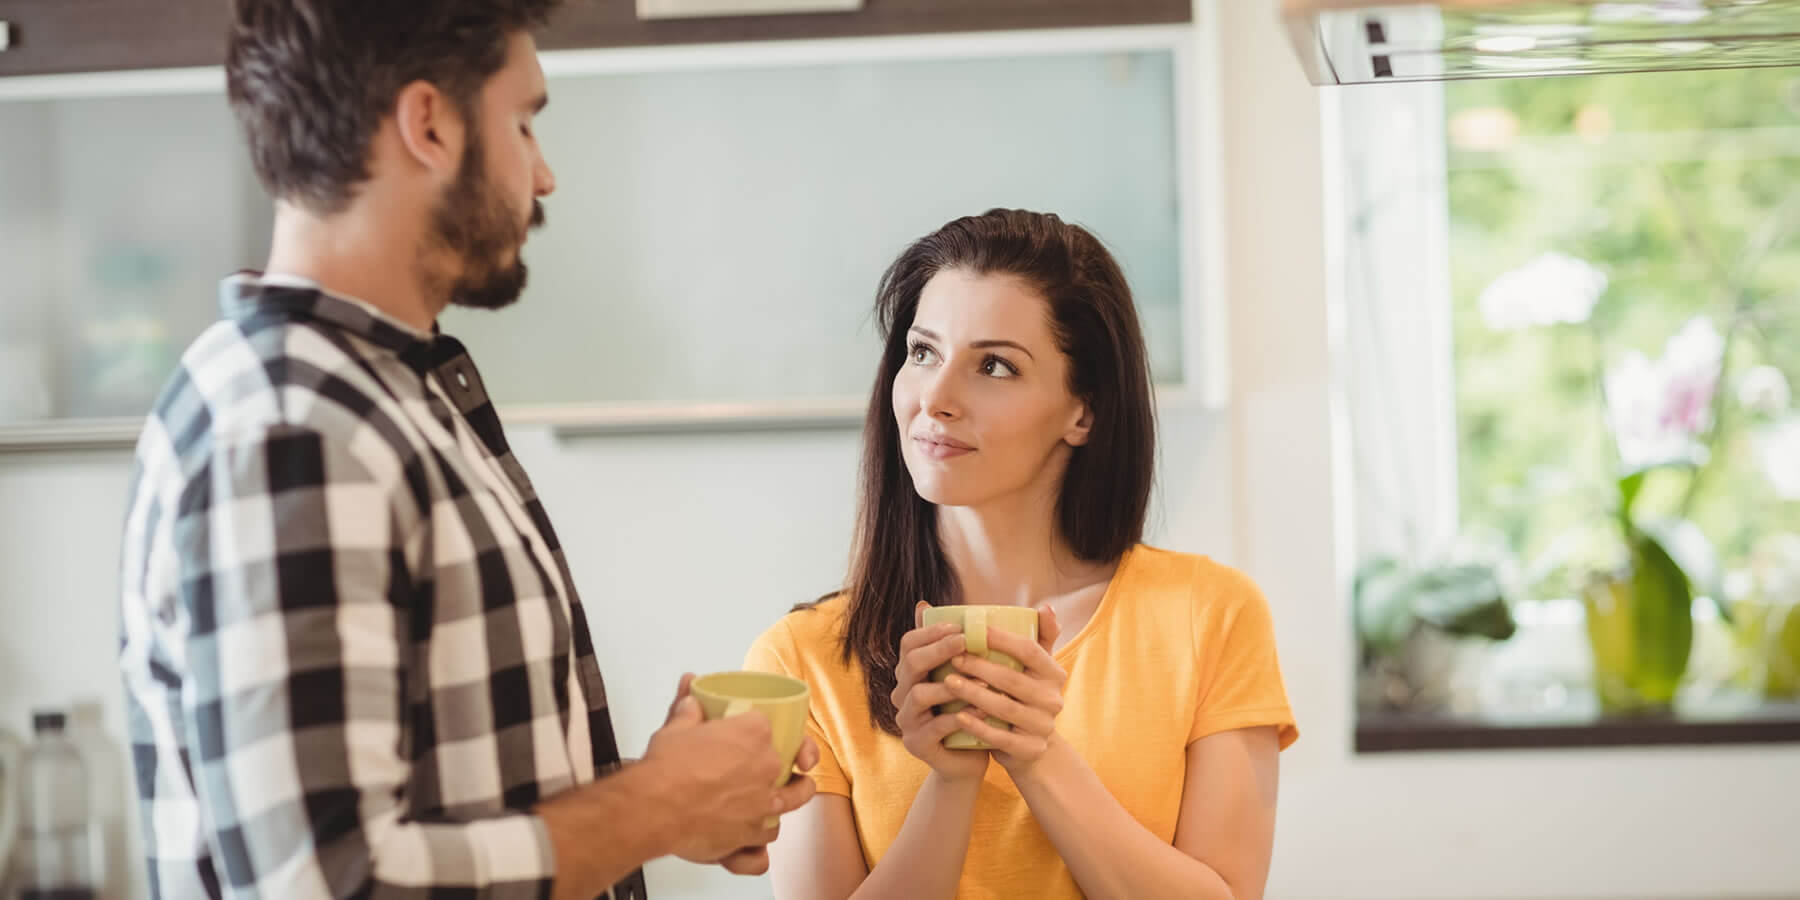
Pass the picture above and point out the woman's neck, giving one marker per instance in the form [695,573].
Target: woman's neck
[1010,552]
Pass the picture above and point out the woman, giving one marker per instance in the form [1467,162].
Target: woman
[1009,449]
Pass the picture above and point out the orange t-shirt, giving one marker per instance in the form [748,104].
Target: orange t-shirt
[1179,647]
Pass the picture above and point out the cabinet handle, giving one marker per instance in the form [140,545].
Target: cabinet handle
[5,35]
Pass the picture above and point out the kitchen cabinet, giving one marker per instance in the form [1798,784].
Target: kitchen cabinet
[615,23]
[63,36]
[51,37]
[722,216]
[718,232]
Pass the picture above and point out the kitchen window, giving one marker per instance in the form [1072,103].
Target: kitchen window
[1553,284]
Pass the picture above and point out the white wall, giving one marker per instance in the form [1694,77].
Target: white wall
[686,547]
[60,523]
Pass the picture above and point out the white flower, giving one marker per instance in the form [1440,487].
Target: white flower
[1657,410]
[1764,390]
[1552,289]
[1778,452]
[1691,365]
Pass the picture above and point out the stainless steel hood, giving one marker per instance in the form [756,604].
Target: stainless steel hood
[1374,41]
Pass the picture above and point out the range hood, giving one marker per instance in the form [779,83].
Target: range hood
[1375,41]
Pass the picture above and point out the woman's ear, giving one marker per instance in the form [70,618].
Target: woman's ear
[1079,429]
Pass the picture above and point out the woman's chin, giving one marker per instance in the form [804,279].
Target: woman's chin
[947,492]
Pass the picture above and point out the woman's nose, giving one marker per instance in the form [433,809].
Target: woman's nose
[937,397]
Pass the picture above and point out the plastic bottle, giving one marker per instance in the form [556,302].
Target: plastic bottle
[54,856]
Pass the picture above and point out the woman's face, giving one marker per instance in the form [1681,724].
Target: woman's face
[982,401]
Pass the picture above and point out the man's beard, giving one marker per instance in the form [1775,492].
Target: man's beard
[476,225]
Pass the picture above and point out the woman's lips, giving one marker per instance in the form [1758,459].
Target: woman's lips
[940,447]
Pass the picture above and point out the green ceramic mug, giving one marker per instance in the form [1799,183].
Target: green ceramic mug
[976,622]
[780,699]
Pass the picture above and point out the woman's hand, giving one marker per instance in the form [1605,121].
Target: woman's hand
[1029,700]
[916,696]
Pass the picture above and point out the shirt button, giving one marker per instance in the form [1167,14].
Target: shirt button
[462,379]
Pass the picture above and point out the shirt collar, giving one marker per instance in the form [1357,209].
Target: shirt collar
[249,294]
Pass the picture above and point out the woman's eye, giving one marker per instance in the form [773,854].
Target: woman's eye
[922,355]
[998,368]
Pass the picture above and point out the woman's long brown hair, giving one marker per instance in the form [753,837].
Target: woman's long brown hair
[896,560]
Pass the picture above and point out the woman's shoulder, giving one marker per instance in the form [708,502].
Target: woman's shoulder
[806,634]
[1188,578]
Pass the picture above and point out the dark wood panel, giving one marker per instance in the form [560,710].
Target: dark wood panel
[57,36]
[614,23]
[1774,723]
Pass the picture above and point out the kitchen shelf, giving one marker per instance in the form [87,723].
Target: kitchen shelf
[1770,723]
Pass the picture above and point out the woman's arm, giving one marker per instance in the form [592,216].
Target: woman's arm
[1222,842]
[818,856]
[1226,830]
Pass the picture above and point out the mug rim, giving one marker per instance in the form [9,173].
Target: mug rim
[990,607]
[805,690]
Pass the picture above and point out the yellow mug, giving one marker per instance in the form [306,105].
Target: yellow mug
[780,699]
[976,622]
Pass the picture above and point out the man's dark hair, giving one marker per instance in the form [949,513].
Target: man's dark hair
[311,80]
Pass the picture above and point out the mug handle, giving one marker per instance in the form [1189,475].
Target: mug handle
[975,629]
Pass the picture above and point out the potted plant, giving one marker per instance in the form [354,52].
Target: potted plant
[1636,573]
[1768,617]
[1411,621]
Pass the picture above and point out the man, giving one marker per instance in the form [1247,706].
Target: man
[354,658]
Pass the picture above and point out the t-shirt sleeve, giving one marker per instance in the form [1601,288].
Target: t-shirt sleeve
[777,651]
[1245,689]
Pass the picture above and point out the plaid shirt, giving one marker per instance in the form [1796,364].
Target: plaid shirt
[353,655]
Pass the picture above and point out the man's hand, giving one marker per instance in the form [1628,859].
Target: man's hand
[721,776]
[747,860]
[755,860]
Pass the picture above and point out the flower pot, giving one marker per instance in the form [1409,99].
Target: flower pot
[1770,633]
[1640,646]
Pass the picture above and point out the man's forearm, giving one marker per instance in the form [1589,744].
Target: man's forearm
[603,831]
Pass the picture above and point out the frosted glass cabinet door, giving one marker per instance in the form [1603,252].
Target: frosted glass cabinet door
[717,236]
[118,217]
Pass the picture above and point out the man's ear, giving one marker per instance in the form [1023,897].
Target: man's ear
[430,128]
[1081,428]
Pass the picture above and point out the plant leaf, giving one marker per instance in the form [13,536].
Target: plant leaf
[1689,547]
[1663,624]
[1629,486]
[1379,600]
[1462,600]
